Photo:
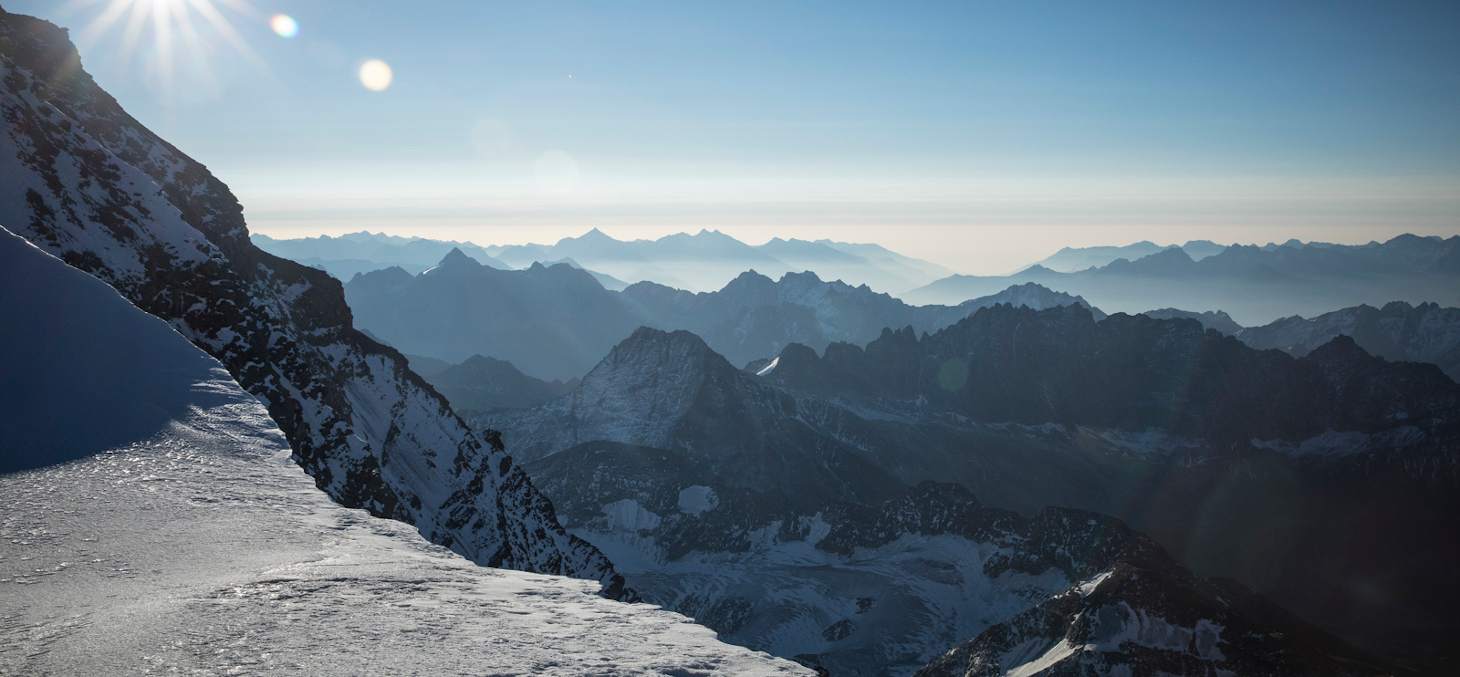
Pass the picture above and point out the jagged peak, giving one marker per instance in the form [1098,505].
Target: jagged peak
[456,257]
[803,276]
[657,344]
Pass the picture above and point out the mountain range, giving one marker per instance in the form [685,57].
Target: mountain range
[1255,285]
[556,322]
[1286,474]
[1072,259]
[709,259]
[1016,484]
[1398,331]
[160,525]
[86,182]
[362,252]
[702,261]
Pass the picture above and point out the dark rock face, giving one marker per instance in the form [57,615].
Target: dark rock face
[90,184]
[1128,372]
[670,391]
[1140,620]
[1398,331]
[881,589]
[1211,319]
[1287,474]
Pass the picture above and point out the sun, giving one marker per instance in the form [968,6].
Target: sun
[169,33]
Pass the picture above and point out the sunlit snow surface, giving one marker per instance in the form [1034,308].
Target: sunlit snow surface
[203,549]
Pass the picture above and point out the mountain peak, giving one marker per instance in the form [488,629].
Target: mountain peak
[458,258]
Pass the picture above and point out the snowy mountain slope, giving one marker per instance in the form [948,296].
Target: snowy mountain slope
[49,415]
[1139,620]
[850,589]
[1398,331]
[86,182]
[198,546]
[853,589]
[1287,474]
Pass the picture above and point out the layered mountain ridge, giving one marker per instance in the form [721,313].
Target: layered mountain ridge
[708,259]
[556,322]
[1254,284]
[1397,331]
[1286,474]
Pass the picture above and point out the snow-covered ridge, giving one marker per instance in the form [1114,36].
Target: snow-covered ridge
[86,182]
[1135,620]
[197,546]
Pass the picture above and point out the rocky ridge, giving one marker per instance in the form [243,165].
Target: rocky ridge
[88,183]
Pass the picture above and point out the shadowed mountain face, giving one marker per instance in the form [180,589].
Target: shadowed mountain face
[89,184]
[1254,284]
[669,390]
[1398,331]
[1138,619]
[1286,474]
[850,588]
[1211,319]
[1128,372]
[551,322]
[485,383]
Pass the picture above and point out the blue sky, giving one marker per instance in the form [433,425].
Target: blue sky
[980,135]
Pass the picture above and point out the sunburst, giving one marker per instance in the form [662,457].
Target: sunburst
[173,29]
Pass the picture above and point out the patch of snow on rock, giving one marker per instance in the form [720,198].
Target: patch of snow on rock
[697,499]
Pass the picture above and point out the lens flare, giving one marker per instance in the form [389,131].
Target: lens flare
[167,36]
[375,75]
[284,25]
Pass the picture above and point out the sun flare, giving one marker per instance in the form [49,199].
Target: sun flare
[174,33]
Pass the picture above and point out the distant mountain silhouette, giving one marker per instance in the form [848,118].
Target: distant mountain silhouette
[553,322]
[1072,259]
[486,383]
[556,322]
[362,252]
[709,259]
[1255,285]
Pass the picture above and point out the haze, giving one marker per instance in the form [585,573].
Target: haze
[978,136]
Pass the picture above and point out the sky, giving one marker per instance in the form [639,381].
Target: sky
[979,135]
